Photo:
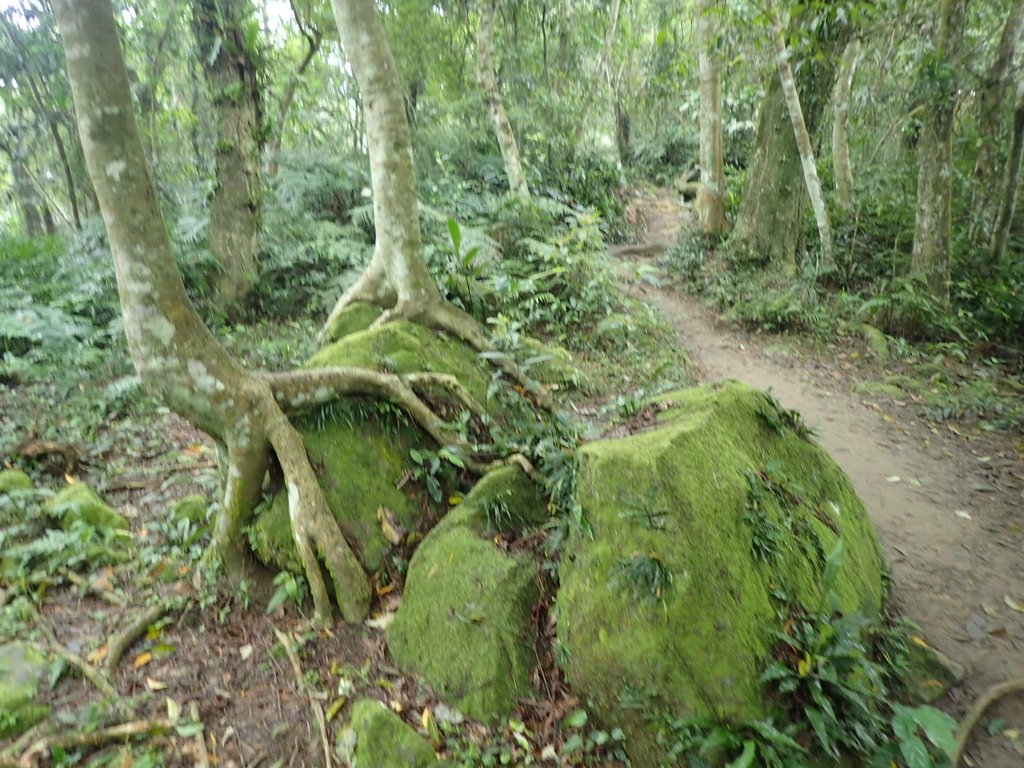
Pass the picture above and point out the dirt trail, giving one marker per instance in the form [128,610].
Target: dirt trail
[948,508]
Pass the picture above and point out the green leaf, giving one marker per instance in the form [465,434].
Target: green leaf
[456,233]
[833,563]
[572,744]
[746,759]
[939,727]
[821,731]
[577,719]
[915,753]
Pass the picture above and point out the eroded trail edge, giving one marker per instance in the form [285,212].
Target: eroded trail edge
[947,502]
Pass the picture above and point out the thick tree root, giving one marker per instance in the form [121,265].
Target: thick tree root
[983,702]
[45,746]
[316,532]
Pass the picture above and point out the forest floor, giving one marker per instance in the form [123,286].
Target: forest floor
[948,500]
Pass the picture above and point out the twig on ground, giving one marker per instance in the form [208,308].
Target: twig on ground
[89,672]
[314,705]
[989,697]
[123,640]
[202,755]
[47,744]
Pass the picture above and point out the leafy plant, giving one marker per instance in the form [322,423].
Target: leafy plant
[645,577]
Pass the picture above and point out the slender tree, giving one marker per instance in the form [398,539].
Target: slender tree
[812,183]
[603,74]
[495,104]
[840,122]
[1011,184]
[711,194]
[932,223]
[993,98]
[176,355]
[769,222]
[226,49]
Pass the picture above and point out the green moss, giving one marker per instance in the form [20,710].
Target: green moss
[876,341]
[80,502]
[22,670]
[702,646]
[14,480]
[360,451]
[464,624]
[520,500]
[356,317]
[193,508]
[382,740]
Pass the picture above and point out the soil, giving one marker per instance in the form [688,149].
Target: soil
[947,500]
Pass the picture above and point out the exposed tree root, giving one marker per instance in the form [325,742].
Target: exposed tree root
[123,640]
[42,748]
[314,705]
[983,702]
[315,531]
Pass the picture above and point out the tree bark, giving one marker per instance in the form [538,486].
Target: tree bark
[231,75]
[770,220]
[174,353]
[314,37]
[25,194]
[840,122]
[993,99]
[1011,185]
[495,104]
[603,73]
[932,226]
[711,193]
[812,183]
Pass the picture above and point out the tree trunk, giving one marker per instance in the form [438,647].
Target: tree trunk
[603,73]
[930,255]
[495,105]
[993,99]
[174,353]
[231,75]
[812,183]
[314,37]
[1011,185]
[770,220]
[711,193]
[25,194]
[623,132]
[840,122]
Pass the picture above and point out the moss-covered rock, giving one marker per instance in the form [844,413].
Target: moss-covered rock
[377,738]
[464,624]
[14,480]
[706,531]
[550,363]
[193,508]
[361,447]
[22,670]
[79,502]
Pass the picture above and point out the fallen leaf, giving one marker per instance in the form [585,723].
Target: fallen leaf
[914,482]
[963,514]
[245,651]
[425,718]
[70,480]
[98,655]
[173,709]
[382,621]
[1011,603]
[893,478]
[143,659]
[396,706]
[155,685]
[335,708]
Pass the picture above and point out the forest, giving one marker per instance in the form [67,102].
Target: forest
[388,383]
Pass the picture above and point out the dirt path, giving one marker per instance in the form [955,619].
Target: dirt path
[948,508]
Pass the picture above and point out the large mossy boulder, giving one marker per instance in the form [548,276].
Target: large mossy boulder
[707,531]
[361,447]
[22,670]
[377,738]
[464,624]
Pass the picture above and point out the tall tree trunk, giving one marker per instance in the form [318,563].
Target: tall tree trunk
[623,132]
[770,220]
[1011,185]
[932,225]
[840,122]
[495,105]
[564,54]
[993,99]
[812,183]
[314,37]
[29,203]
[230,71]
[603,74]
[174,353]
[711,193]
